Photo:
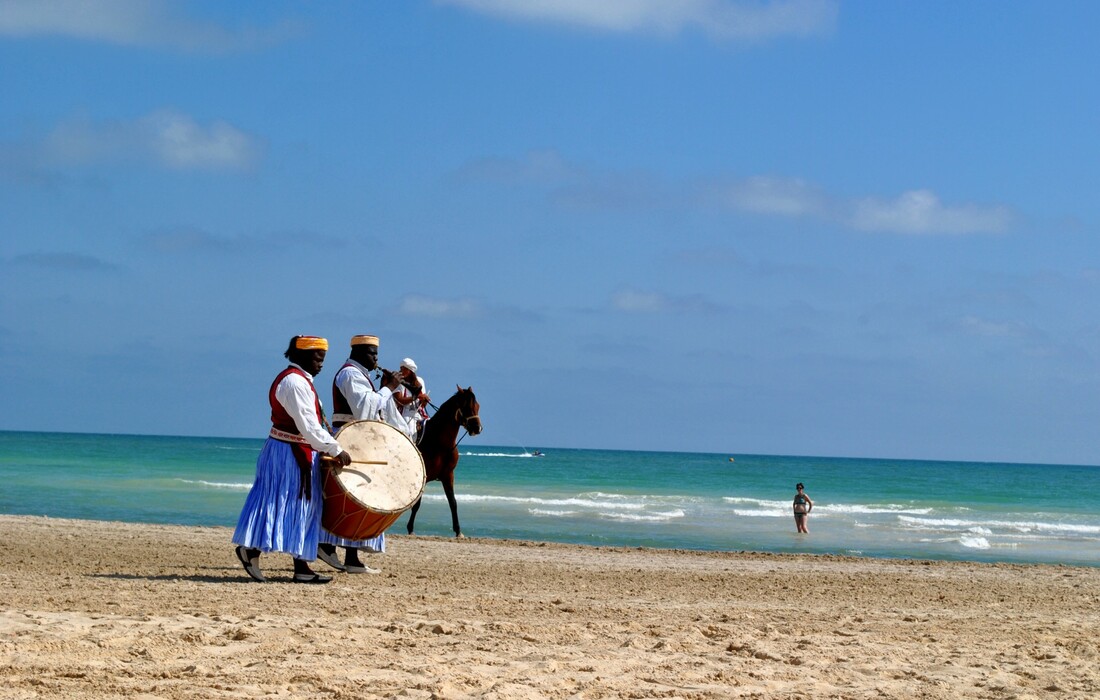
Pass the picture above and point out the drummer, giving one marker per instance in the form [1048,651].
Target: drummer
[355,398]
[282,512]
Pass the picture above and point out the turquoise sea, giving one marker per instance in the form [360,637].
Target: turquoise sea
[865,507]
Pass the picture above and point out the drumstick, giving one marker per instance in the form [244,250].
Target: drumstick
[356,461]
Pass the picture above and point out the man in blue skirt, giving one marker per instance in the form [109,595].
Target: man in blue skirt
[282,512]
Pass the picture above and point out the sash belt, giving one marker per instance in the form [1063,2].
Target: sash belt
[284,436]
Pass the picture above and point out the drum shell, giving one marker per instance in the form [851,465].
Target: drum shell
[346,517]
[349,512]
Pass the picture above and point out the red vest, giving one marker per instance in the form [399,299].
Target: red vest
[280,419]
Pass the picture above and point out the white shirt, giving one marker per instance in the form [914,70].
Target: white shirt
[295,393]
[366,403]
[411,411]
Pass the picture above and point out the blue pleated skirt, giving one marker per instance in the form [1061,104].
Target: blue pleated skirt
[274,518]
[374,544]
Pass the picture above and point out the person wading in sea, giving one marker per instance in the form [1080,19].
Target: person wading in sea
[802,507]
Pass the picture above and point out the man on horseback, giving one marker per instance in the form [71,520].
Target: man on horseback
[412,397]
[355,398]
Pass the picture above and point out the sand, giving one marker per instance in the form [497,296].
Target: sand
[97,609]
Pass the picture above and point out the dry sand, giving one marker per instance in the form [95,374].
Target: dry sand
[94,610]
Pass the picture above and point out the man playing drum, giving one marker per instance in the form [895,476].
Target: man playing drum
[282,512]
[355,398]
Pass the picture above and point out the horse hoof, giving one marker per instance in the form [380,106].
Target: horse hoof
[459,536]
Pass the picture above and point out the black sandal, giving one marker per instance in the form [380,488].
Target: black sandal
[250,566]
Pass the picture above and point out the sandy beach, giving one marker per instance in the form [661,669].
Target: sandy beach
[98,609]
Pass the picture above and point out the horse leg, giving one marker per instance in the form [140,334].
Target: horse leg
[449,489]
[412,515]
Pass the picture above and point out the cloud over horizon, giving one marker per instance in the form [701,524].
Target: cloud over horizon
[139,23]
[431,307]
[913,212]
[166,138]
[721,20]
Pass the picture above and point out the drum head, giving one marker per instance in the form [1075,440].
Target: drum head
[387,472]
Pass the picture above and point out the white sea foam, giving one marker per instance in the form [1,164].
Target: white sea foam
[551,513]
[575,501]
[644,517]
[835,508]
[519,455]
[771,513]
[974,542]
[218,484]
[1019,526]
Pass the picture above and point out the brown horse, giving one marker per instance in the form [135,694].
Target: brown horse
[439,446]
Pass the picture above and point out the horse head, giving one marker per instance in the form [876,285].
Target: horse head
[466,413]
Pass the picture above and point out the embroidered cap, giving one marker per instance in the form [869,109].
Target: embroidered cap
[408,364]
[364,340]
[310,342]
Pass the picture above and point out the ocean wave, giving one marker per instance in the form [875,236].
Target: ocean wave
[643,517]
[542,512]
[217,484]
[530,500]
[519,455]
[772,513]
[836,508]
[974,542]
[1025,526]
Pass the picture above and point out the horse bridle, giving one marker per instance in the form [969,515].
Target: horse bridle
[462,419]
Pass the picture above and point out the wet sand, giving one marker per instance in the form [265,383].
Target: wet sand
[98,610]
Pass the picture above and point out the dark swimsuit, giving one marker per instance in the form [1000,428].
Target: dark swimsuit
[800,500]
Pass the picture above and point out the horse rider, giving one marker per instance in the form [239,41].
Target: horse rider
[412,397]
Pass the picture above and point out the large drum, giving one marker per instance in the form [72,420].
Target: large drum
[385,478]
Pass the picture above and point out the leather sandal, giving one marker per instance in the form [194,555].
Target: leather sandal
[251,565]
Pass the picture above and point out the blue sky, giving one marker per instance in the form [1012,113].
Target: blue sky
[795,227]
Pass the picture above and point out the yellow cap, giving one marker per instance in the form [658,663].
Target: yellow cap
[364,340]
[310,342]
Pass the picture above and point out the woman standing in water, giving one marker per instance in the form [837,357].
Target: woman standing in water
[802,507]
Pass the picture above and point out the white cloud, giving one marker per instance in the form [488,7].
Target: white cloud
[166,137]
[416,305]
[920,211]
[778,196]
[913,212]
[719,19]
[131,23]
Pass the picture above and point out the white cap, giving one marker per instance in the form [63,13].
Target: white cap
[408,363]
